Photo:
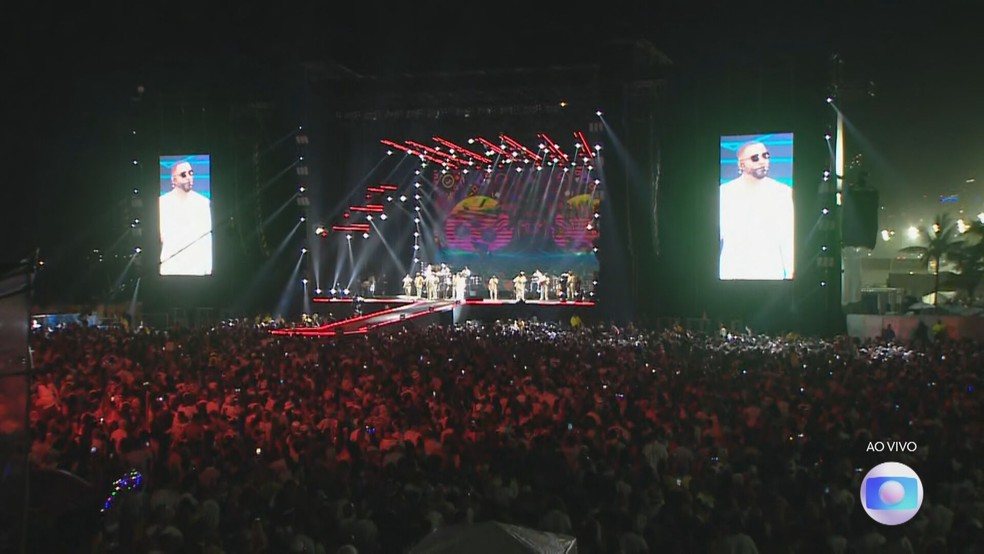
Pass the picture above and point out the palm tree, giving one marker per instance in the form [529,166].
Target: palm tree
[940,241]
[969,259]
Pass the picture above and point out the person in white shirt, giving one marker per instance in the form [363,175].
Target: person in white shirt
[186,226]
[756,241]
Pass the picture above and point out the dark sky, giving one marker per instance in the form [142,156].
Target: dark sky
[71,70]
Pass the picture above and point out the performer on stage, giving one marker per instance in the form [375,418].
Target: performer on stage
[407,285]
[418,285]
[446,288]
[433,286]
[519,284]
[544,286]
[572,286]
[493,288]
[460,281]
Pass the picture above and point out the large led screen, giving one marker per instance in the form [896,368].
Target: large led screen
[185,215]
[756,200]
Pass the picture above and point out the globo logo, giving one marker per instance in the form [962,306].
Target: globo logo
[891,493]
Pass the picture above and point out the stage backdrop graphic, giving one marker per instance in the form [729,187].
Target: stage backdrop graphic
[185,215]
[505,221]
[756,207]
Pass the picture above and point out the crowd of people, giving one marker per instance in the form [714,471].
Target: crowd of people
[630,440]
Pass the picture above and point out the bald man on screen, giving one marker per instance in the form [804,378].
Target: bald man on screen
[186,226]
[756,220]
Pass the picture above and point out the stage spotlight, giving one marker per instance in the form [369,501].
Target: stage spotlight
[319,230]
[416,185]
[589,227]
[597,215]
[348,236]
[519,170]
[389,198]
[137,250]
[369,217]
[416,234]
[471,141]
[827,135]
[416,197]
[303,219]
[539,168]
[389,152]
[416,208]
[825,211]
[823,248]
[135,191]
[416,220]
[598,113]
[345,291]
[317,291]
[303,251]
[333,291]
[830,99]
[403,198]
[365,235]
[383,217]
[595,249]
[301,190]
[823,283]
[597,147]
[417,172]
[566,169]
[416,247]
[304,281]
[563,103]
[597,181]
[886,235]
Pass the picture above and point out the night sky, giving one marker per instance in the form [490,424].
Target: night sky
[70,73]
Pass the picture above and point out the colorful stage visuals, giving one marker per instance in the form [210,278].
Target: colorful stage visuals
[506,221]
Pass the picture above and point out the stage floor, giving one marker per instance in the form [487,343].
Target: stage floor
[351,316]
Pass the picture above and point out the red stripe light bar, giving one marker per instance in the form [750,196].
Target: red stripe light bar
[366,209]
[584,144]
[515,144]
[553,147]
[396,145]
[463,150]
[388,187]
[424,147]
[493,147]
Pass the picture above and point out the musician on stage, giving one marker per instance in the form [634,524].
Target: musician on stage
[407,285]
[446,285]
[418,284]
[493,288]
[544,286]
[519,284]
[572,280]
[459,283]
[432,286]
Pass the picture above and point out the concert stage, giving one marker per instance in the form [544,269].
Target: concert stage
[355,317]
